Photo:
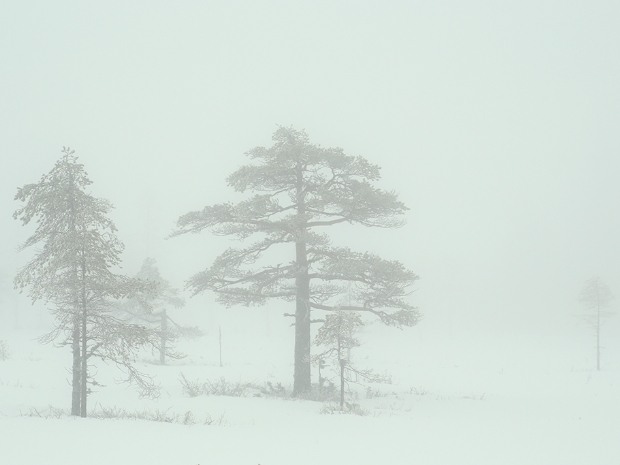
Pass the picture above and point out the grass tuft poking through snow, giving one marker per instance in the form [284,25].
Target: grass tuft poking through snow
[118,413]
[219,387]
[223,387]
[349,408]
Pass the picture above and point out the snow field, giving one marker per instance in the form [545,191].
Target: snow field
[529,400]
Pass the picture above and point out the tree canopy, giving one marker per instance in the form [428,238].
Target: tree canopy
[151,308]
[299,189]
[73,271]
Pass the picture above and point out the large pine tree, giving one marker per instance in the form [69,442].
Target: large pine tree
[300,189]
[72,271]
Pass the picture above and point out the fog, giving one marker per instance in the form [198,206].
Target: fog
[495,122]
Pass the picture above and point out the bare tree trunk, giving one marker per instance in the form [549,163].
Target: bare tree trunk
[302,376]
[84,371]
[350,327]
[302,380]
[75,346]
[77,359]
[341,360]
[164,336]
[343,363]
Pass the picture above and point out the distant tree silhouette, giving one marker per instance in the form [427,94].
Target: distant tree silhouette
[152,307]
[595,297]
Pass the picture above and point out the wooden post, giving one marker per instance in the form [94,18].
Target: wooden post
[598,333]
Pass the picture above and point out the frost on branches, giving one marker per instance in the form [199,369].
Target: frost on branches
[298,190]
[151,308]
[72,271]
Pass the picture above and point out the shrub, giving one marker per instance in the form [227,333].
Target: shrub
[332,408]
[219,387]
[50,412]
[278,390]
[5,353]
[373,393]
[117,413]
[418,391]
[327,392]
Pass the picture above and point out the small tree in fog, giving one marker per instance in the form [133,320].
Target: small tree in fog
[152,308]
[336,336]
[72,271]
[300,189]
[596,297]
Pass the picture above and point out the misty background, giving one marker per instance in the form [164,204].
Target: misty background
[497,124]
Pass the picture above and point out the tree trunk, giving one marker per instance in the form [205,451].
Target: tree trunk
[75,346]
[84,371]
[77,358]
[164,335]
[343,363]
[302,380]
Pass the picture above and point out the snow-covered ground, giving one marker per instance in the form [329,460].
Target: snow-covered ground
[458,396]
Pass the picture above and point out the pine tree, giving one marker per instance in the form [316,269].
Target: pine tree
[72,272]
[596,297]
[151,308]
[301,188]
[336,335]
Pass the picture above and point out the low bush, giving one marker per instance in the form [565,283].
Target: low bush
[270,390]
[418,391]
[219,387]
[117,413]
[5,353]
[325,393]
[161,416]
[349,408]
[372,393]
[222,387]
[50,412]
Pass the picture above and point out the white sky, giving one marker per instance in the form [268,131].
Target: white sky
[497,122]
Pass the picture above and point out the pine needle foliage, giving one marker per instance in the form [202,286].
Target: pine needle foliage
[299,189]
[151,308]
[72,271]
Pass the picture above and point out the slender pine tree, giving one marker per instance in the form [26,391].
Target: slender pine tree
[596,297]
[72,271]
